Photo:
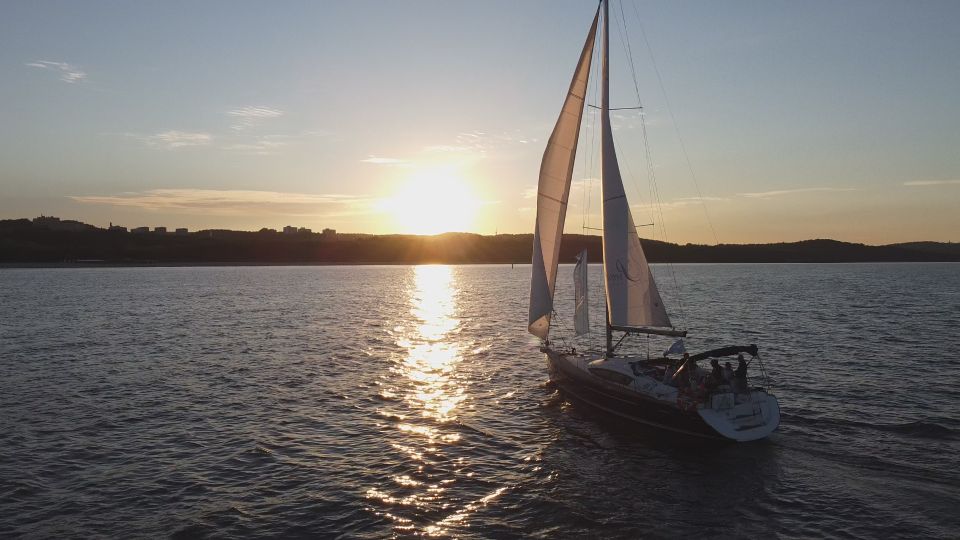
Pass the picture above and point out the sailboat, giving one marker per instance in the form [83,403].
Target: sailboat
[670,394]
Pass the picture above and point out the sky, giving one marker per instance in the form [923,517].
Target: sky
[766,121]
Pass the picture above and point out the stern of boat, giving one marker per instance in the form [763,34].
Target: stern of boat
[744,417]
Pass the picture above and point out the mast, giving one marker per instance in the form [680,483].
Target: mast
[604,126]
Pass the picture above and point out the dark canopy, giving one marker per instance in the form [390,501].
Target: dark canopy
[726,351]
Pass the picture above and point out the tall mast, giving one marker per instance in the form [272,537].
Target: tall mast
[604,126]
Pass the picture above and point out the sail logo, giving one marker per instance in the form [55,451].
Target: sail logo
[621,268]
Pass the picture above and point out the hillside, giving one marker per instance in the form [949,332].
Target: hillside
[23,241]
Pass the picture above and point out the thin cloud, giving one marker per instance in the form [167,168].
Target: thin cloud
[483,143]
[176,139]
[446,148]
[779,192]
[268,145]
[251,116]
[379,160]
[262,147]
[231,202]
[931,182]
[689,201]
[68,73]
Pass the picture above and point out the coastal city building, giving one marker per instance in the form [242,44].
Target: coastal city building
[289,230]
[329,234]
[160,230]
[117,228]
[140,230]
[56,224]
[182,231]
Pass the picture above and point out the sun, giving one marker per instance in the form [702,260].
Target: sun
[432,200]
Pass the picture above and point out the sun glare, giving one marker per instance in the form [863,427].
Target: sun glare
[432,200]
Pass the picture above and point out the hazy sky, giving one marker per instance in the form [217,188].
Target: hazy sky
[801,119]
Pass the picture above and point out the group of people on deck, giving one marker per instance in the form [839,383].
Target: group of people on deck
[688,376]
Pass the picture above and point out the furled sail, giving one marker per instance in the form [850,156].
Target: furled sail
[632,296]
[556,170]
[581,318]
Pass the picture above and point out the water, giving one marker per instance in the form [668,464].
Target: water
[370,402]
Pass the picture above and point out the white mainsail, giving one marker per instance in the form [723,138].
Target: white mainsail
[581,317]
[632,296]
[553,190]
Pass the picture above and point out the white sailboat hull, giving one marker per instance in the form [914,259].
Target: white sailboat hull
[645,400]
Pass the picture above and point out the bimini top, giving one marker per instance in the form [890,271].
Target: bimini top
[726,351]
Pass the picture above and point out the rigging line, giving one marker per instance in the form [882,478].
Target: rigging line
[673,119]
[590,163]
[663,223]
[656,201]
[625,43]
[654,188]
[588,137]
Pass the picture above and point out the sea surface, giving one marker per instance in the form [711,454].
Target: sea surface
[377,402]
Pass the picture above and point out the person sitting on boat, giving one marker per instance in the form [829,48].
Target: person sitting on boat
[727,373]
[716,374]
[693,374]
[740,375]
[668,374]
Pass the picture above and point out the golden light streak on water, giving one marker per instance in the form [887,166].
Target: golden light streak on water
[432,350]
[424,395]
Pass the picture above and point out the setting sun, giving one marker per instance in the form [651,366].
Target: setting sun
[432,200]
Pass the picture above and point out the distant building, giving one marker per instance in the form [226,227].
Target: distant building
[55,224]
[304,230]
[329,234]
[140,230]
[289,230]
[117,228]
[182,231]
[46,220]
[160,230]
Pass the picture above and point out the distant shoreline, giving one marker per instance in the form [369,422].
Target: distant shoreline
[66,265]
[29,244]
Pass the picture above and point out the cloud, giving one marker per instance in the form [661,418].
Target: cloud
[779,192]
[68,73]
[261,147]
[232,202]
[265,145]
[690,201]
[931,182]
[481,142]
[251,116]
[446,148]
[377,160]
[176,139]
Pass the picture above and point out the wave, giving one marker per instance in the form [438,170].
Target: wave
[917,428]
[927,430]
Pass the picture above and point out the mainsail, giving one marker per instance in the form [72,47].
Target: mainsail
[556,171]
[632,296]
[581,317]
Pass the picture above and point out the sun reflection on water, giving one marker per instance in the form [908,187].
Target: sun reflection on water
[431,356]
[425,395]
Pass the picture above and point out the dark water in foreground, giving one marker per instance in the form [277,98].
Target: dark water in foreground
[368,402]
